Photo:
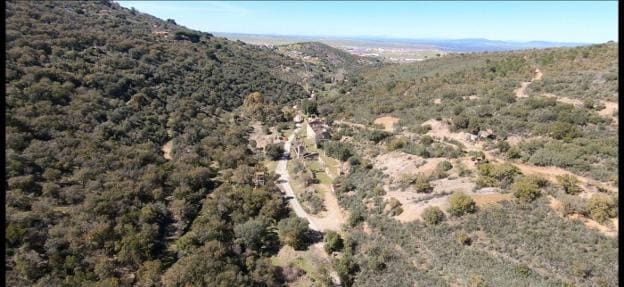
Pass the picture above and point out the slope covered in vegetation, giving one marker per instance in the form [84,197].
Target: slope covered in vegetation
[93,92]
[476,92]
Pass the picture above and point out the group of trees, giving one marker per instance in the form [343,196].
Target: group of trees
[92,95]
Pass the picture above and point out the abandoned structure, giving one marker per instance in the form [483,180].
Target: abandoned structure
[259,178]
[317,130]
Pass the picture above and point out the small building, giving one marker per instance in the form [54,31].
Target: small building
[317,130]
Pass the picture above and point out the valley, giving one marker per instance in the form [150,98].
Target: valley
[143,153]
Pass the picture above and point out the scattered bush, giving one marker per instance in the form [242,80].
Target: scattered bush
[496,175]
[476,281]
[311,202]
[376,136]
[444,165]
[601,208]
[462,238]
[461,204]
[569,183]
[426,140]
[396,143]
[433,215]
[422,184]
[525,189]
[394,207]
[503,146]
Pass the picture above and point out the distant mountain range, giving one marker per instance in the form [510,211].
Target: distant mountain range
[480,45]
[447,45]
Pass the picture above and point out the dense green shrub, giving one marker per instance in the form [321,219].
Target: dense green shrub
[338,150]
[601,208]
[569,183]
[460,204]
[433,215]
[274,150]
[333,242]
[376,136]
[396,143]
[525,189]
[496,175]
[294,232]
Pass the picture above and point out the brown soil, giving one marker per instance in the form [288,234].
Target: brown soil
[486,199]
[387,122]
[167,149]
[333,218]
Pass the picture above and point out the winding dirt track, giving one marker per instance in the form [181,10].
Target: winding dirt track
[333,218]
[284,184]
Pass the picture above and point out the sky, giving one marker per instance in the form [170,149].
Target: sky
[555,21]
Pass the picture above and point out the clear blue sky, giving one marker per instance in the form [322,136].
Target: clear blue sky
[575,21]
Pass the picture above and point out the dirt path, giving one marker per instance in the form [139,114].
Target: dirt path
[167,149]
[440,129]
[610,107]
[284,184]
[333,218]
[557,206]
[521,92]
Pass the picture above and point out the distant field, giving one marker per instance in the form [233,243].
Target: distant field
[384,49]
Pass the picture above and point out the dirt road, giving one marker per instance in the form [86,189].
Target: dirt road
[284,184]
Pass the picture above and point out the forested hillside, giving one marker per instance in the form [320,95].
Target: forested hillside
[93,92]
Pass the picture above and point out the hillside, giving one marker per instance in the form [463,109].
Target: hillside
[326,65]
[143,153]
[456,163]
[93,92]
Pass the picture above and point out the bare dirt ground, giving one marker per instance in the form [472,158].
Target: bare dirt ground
[333,218]
[491,198]
[440,130]
[396,163]
[413,208]
[471,97]
[167,149]
[575,102]
[387,122]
